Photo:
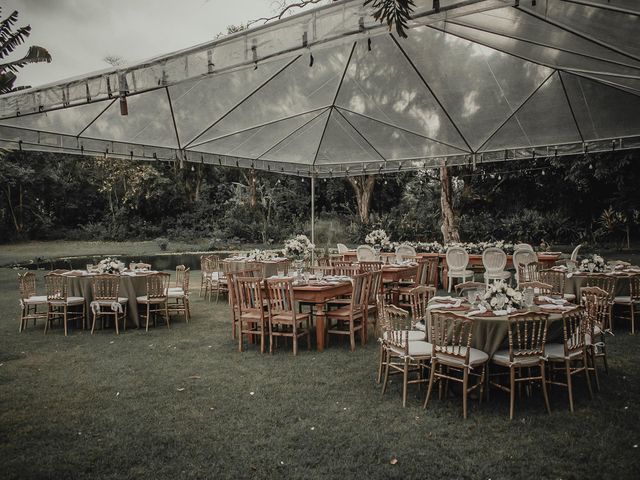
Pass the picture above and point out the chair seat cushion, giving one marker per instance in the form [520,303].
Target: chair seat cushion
[70,301]
[145,299]
[460,273]
[623,300]
[501,357]
[416,349]
[286,317]
[344,312]
[35,299]
[555,351]
[414,335]
[500,275]
[109,302]
[569,296]
[476,357]
[176,294]
[176,289]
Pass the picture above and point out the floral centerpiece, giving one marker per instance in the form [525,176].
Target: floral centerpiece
[260,255]
[377,238]
[298,247]
[109,265]
[593,263]
[500,296]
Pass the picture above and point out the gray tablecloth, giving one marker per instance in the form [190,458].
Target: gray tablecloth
[574,283]
[130,287]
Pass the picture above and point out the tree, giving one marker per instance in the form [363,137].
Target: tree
[363,188]
[9,41]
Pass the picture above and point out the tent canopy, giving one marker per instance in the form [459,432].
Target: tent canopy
[330,92]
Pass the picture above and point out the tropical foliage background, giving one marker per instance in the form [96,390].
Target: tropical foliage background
[591,198]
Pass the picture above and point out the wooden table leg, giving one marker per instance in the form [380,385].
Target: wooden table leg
[320,317]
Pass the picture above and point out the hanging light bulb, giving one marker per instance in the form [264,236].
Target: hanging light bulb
[193,168]
[591,166]
[543,172]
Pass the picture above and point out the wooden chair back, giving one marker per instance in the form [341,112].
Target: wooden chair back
[56,286]
[27,284]
[605,282]
[634,287]
[419,298]
[179,274]
[139,266]
[370,266]
[555,279]
[349,270]
[427,273]
[462,288]
[105,287]
[324,261]
[375,286]
[527,335]
[538,287]
[395,326]
[596,304]
[528,272]
[185,280]
[280,296]
[574,328]
[250,297]
[451,335]
[360,290]
[157,285]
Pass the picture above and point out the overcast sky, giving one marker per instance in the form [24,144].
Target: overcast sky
[80,33]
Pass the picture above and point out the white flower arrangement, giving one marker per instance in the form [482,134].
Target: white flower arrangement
[593,263]
[260,255]
[478,248]
[377,238]
[298,247]
[109,265]
[500,295]
[431,247]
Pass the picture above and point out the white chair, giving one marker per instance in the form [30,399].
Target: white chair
[494,260]
[342,248]
[457,261]
[573,260]
[404,252]
[366,253]
[523,257]
[523,246]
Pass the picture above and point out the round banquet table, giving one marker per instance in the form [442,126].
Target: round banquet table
[131,286]
[491,334]
[575,282]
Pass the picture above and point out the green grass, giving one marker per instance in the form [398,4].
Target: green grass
[179,403]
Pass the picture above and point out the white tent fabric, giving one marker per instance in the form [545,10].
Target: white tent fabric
[330,92]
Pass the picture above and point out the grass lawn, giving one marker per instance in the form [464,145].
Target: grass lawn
[183,403]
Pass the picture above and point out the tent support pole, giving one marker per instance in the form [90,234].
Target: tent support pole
[313,216]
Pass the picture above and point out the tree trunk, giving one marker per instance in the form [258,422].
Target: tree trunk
[251,178]
[363,188]
[449,227]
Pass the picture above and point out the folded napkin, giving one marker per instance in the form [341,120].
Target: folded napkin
[481,309]
[443,298]
[551,306]
[632,269]
[445,306]
[559,268]
[554,301]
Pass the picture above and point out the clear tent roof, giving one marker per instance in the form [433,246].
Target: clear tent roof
[330,92]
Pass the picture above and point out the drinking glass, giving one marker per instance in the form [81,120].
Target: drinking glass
[319,274]
[471,296]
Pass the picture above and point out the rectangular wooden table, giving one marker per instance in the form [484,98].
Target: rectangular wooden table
[318,296]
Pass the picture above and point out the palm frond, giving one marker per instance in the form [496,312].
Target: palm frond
[392,12]
[12,41]
[34,55]
[7,24]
